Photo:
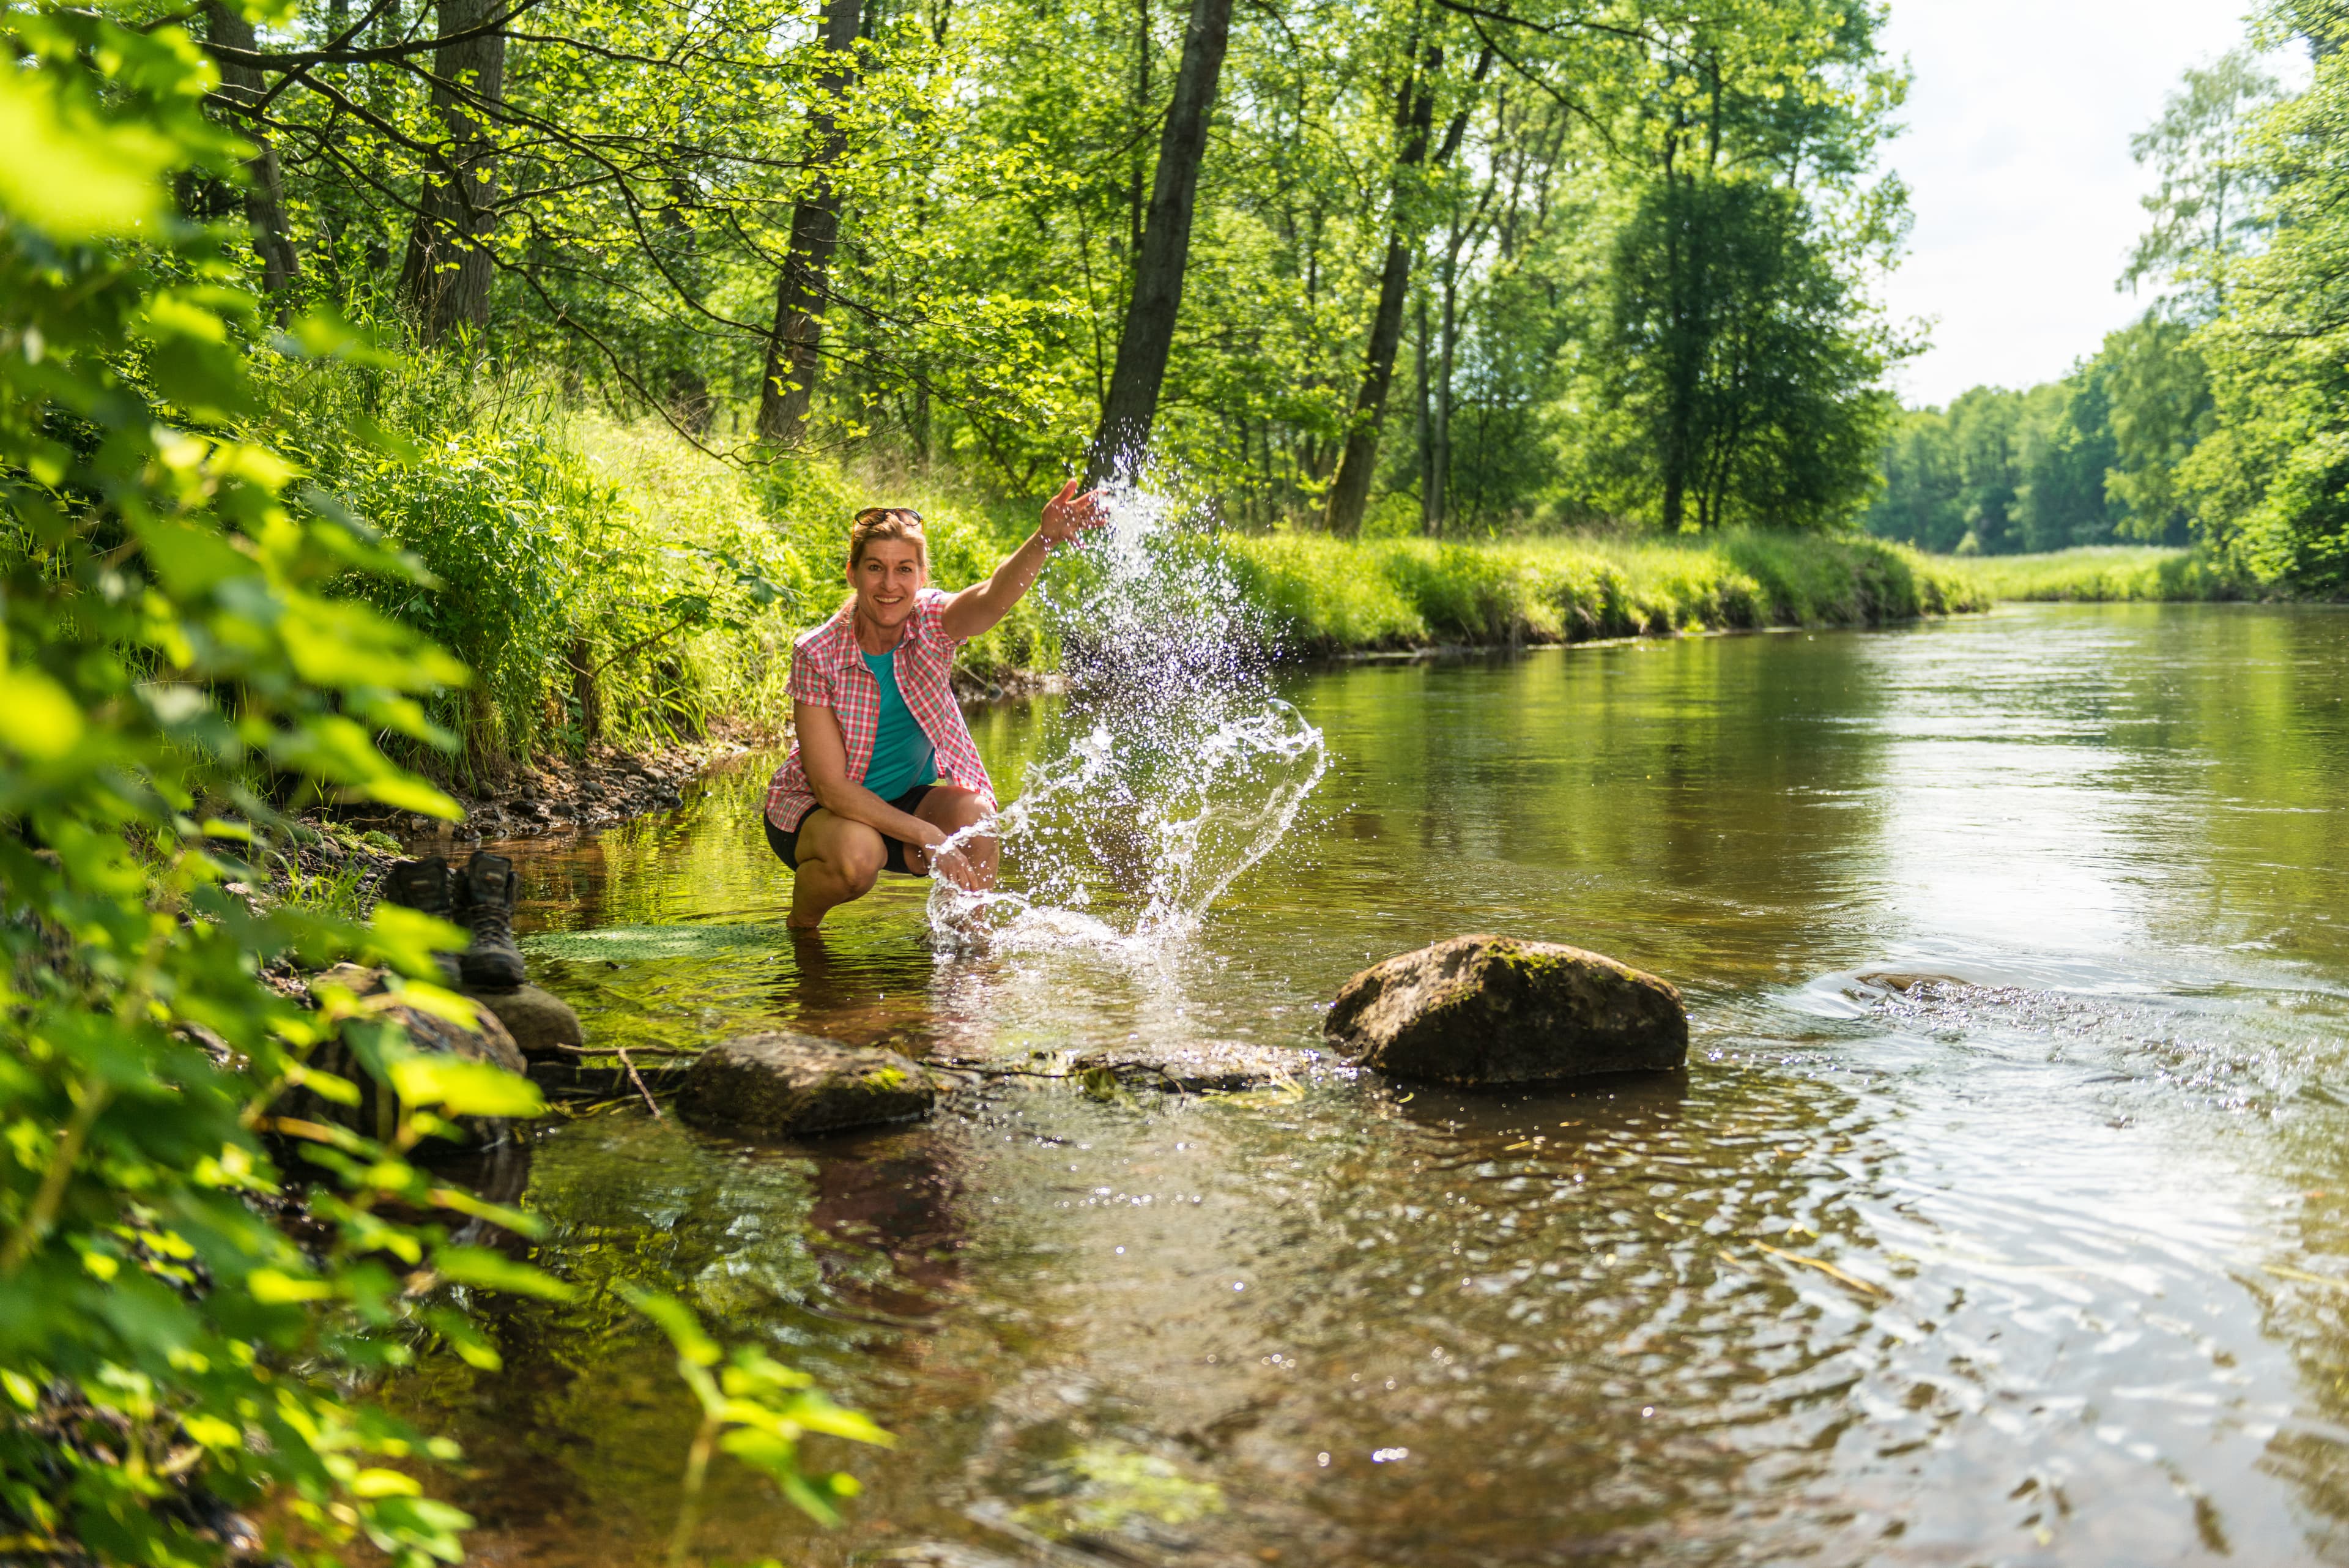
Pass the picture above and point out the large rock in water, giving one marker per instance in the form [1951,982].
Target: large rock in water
[788,1082]
[1492,1009]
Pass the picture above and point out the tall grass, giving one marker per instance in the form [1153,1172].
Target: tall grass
[2102,573]
[1336,596]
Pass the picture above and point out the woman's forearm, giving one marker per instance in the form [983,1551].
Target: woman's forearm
[977,609]
[857,804]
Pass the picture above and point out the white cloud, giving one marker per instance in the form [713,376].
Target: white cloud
[2017,160]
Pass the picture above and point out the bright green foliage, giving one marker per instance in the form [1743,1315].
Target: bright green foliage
[755,1409]
[641,169]
[178,664]
[2207,211]
[2270,487]
[2104,573]
[1737,377]
[1327,595]
[555,544]
[2081,461]
[167,640]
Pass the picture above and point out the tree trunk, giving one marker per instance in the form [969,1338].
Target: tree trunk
[1150,315]
[265,193]
[1424,432]
[803,287]
[584,694]
[1440,459]
[446,276]
[1350,493]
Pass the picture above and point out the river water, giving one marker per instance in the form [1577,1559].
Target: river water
[2002,1216]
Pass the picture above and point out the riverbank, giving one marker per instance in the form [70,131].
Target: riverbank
[1326,596]
[2104,574]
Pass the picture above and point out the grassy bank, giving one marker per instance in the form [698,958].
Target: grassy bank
[1334,595]
[2098,573]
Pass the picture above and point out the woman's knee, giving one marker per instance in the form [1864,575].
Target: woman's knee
[854,853]
[862,858]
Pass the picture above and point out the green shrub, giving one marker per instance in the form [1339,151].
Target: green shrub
[165,637]
[2105,573]
[172,629]
[1331,595]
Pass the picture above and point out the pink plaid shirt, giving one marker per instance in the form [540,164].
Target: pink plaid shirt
[828,671]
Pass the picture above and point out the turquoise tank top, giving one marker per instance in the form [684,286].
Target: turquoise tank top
[902,755]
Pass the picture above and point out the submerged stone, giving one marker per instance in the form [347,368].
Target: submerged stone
[1493,1009]
[1199,1067]
[541,1022]
[788,1082]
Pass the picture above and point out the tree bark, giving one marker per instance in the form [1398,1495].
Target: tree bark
[1422,431]
[802,289]
[1449,339]
[1157,300]
[1350,493]
[446,276]
[265,193]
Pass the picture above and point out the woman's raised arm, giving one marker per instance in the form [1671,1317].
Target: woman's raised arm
[974,611]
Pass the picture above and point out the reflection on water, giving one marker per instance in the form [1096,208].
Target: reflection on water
[1998,1218]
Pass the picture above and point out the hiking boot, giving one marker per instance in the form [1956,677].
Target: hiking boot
[423,885]
[485,896]
[428,887]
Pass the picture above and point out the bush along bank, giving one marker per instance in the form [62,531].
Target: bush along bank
[1334,597]
[2105,574]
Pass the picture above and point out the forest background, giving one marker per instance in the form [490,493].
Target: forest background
[666,292]
[669,291]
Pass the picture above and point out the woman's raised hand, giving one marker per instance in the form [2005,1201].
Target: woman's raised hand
[1069,513]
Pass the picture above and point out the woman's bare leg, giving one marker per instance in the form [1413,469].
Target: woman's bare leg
[838,861]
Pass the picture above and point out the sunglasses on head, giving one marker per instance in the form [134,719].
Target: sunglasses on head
[875,514]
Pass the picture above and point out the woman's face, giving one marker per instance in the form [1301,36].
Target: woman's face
[886,577]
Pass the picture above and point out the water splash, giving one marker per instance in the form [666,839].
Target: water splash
[1176,767]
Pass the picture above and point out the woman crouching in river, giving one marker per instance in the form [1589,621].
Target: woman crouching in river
[876,723]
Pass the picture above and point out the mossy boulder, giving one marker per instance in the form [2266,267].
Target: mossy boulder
[786,1082]
[542,1023]
[1487,1010]
[488,1042]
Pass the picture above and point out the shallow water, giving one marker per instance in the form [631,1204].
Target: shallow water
[2033,1262]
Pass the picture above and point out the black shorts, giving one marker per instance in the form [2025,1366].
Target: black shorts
[786,845]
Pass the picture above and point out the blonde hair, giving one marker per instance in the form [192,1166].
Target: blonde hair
[900,523]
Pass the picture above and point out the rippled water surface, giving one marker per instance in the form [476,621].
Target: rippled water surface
[1999,1218]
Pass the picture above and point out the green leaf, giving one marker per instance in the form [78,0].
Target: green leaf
[676,1320]
[37,719]
[272,1287]
[410,937]
[465,1088]
[68,175]
[486,1270]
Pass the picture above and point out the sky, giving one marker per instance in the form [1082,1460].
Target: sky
[2017,162]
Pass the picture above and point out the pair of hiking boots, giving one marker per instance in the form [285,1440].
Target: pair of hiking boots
[480,897]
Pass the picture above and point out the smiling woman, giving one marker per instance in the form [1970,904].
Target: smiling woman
[876,718]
